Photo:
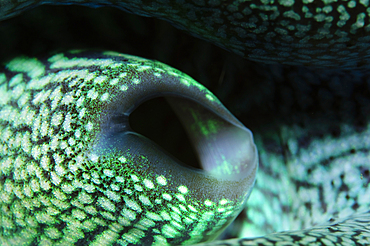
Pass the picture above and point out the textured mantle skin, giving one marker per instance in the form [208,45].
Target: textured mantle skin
[320,33]
[312,135]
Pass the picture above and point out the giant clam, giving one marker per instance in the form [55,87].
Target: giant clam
[307,156]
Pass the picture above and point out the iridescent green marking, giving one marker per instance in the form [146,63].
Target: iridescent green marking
[208,128]
[183,189]
[161,180]
[32,67]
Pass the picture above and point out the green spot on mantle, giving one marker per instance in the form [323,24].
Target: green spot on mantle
[33,67]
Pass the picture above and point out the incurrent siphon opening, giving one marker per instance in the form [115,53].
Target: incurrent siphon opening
[156,120]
